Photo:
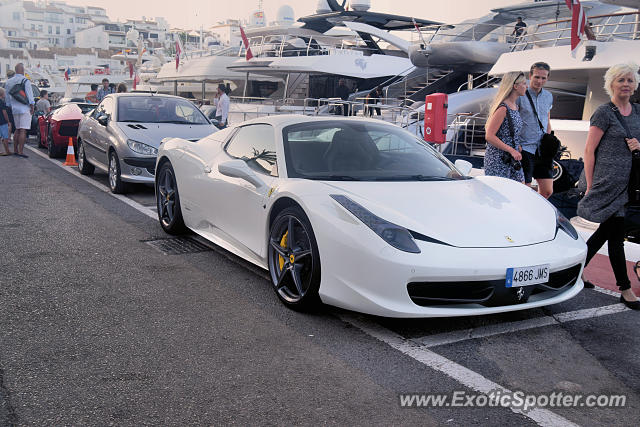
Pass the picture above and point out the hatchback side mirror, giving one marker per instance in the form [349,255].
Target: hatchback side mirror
[103,119]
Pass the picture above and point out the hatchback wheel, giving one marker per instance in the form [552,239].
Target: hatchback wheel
[294,262]
[168,200]
[84,166]
[115,181]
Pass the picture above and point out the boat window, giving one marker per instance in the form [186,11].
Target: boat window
[159,109]
[361,151]
[255,144]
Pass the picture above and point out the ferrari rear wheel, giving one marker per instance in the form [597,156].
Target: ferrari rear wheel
[168,201]
[294,262]
[39,136]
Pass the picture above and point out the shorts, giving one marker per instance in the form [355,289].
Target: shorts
[4,131]
[22,121]
[536,167]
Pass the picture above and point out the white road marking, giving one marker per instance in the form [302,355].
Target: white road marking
[521,325]
[464,376]
[73,170]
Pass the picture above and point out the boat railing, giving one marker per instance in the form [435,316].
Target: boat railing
[466,134]
[287,45]
[482,81]
[466,31]
[618,26]
[245,108]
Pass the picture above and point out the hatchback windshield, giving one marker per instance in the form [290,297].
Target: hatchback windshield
[158,109]
[361,151]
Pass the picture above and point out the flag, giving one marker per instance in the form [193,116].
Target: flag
[136,80]
[178,52]
[67,72]
[245,40]
[578,21]
[130,69]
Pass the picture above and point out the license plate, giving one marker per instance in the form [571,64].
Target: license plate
[527,276]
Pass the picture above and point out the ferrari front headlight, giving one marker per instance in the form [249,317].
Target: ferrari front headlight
[395,235]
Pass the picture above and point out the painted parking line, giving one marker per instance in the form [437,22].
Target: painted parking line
[464,376]
[521,325]
[72,170]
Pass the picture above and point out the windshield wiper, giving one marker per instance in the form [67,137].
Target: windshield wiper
[413,178]
[332,177]
[178,122]
[131,121]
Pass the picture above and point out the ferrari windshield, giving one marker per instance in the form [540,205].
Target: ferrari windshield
[159,109]
[361,151]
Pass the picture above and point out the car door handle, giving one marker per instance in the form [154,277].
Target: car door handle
[207,169]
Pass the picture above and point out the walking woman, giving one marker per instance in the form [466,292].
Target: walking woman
[502,132]
[607,167]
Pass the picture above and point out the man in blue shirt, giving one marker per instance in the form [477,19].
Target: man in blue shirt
[21,112]
[533,165]
[104,90]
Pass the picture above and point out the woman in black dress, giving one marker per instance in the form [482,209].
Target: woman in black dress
[607,167]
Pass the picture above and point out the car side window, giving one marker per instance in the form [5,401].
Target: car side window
[255,144]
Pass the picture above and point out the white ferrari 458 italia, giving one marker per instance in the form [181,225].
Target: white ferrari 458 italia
[360,214]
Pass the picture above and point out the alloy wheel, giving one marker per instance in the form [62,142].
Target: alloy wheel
[291,258]
[166,196]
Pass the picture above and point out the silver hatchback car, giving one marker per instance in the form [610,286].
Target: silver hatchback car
[122,135]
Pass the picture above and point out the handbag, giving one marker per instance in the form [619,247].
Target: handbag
[549,143]
[506,157]
[19,93]
[633,188]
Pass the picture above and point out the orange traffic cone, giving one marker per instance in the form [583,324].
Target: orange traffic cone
[71,155]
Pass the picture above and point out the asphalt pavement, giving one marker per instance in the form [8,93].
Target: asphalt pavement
[98,327]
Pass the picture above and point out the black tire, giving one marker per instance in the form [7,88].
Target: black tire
[116,185]
[294,261]
[39,136]
[84,166]
[168,200]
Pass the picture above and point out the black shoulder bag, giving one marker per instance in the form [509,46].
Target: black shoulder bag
[634,178]
[549,144]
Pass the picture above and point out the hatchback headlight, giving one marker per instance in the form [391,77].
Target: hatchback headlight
[142,148]
[398,237]
[565,225]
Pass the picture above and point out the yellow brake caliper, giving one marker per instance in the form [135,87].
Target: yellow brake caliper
[283,244]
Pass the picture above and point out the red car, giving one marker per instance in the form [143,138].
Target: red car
[55,129]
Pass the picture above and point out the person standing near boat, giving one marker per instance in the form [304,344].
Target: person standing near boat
[613,136]
[222,106]
[535,110]
[502,131]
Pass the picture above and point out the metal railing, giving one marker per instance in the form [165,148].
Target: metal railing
[484,80]
[467,32]
[468,134]
[619,26]
[283,45]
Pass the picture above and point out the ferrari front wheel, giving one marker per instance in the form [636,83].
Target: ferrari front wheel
[294,262]
[168,201]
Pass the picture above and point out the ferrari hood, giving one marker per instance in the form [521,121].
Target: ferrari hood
[482,212]
[153,133]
